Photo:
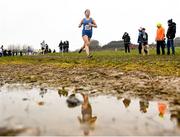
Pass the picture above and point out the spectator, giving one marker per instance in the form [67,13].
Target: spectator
[127,41]
[61,46]
[9,53]
[140,41]
[160,39]
[1,52]
[67,46]
[145,46]
[171,33]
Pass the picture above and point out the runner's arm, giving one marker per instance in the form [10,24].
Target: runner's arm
[94,24]
[81,23]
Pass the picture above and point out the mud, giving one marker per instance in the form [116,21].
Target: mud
[94,80]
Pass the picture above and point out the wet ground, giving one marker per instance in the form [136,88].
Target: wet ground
[30,110]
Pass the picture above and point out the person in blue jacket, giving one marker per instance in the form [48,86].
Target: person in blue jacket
[140,40]
[88,24]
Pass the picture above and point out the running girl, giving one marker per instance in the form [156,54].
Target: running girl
[88,24]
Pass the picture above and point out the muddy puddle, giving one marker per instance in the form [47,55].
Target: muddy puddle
[35,111]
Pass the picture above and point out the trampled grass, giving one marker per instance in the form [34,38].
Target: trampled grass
[152,64]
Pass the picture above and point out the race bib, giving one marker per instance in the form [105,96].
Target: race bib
[87,27]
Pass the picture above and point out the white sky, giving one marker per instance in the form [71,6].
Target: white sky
[31,21]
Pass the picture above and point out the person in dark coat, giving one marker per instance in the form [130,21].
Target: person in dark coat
[127,42]
[145,46]
[140,40]
[9,53]
[46,48]
[61,46]
[5,52]
[64,46]
[171,33]
[1,51]
[67,46]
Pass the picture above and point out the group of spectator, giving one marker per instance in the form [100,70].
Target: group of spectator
[143,47]
[5,52]
[64,46]
[170,35]
[161,43]
[45,48]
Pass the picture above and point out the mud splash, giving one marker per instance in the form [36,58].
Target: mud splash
[39,111]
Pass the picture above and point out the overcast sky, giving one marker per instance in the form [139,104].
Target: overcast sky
[31,21]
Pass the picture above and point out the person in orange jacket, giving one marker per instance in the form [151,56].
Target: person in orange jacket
[160,39]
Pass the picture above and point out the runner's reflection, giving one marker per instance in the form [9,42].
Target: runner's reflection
[87,121]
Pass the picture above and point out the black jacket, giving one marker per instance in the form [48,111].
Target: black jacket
[171,33]
[126,38]
[145,38]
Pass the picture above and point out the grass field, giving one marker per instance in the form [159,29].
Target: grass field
[156,65]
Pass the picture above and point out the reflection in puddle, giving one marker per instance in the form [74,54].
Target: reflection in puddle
[49,112]
[144,105]
[73,101]
[87,121]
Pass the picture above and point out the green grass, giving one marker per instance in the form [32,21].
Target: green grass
[152,64]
